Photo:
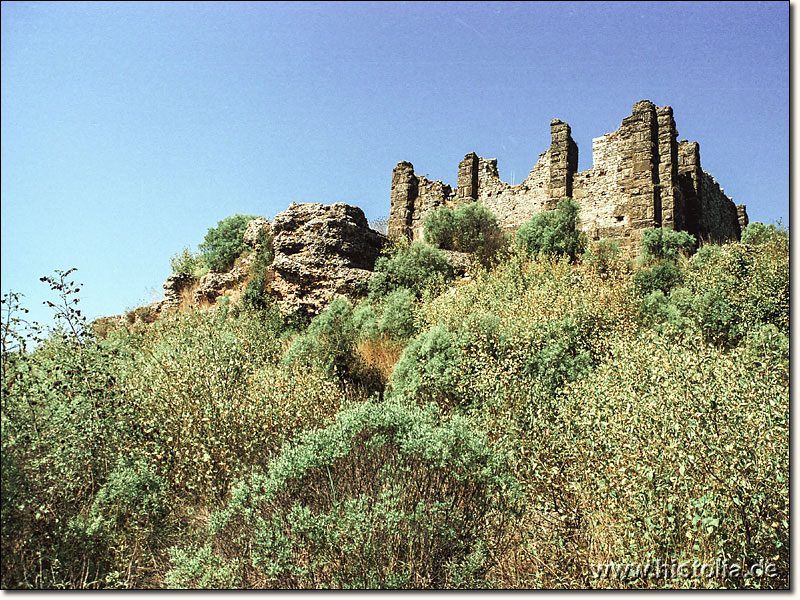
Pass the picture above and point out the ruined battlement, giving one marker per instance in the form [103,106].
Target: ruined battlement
[641,177]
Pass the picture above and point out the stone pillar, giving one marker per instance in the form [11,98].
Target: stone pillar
[405,190]
[468,178]
[689,163]
[563,162]
[645,198]
[672,210]
[741,213]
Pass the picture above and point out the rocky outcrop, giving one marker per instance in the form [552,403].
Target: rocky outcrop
[174,287]
[256,230]
[459,261]
[213,285]
[321,251]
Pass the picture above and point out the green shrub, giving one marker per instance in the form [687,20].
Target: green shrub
[388,496]
[224,243]
[678,450]
[255,294]
[420,268]
[428,369]
[330,345]
[553,232]
[446,366]
[603,255]
[759,233]
[441,227]
[469,227]
[738,288]
[188,262]
[62,422]
[203,393]
[666,244]
[663,276]
[392,317]
[660,251]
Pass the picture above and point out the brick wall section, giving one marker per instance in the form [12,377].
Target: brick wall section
[672,205]
[641,177]
[620,196]
[405,191]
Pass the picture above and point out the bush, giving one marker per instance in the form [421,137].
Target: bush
[255,294]
[663,276]
[470,227]
[681,451]
[187,262]
[740,287]
[224,243]
[758,233]
[419,268]
[388,496]
[553,232]
[206,399]
[603,255]
[330,345]
[660,251]
[392,317]
[666,244]
[428,369]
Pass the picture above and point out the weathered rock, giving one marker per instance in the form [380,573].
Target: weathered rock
[460,261]
[212,285]
[254,231]
[174,287]
[321,251]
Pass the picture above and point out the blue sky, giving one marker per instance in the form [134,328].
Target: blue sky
[129,129]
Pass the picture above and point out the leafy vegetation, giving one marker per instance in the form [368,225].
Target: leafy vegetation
[553,232]
[470,227]
[561,409]
[219,249]
[418,267]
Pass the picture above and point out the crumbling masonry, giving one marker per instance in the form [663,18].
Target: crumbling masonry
[641,178]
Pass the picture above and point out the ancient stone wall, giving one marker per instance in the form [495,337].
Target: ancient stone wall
[413,196]
[514,205]
[719,219]
[641,177]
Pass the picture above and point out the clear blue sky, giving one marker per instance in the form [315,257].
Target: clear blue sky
[129,129]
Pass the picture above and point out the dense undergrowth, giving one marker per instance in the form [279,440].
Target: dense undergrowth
[563,407]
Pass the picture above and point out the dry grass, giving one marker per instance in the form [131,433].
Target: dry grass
[381,355]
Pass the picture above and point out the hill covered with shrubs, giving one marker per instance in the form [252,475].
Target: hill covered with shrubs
[561,406]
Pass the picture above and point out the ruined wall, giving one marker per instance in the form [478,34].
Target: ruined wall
[412,198]
[719,219]
[641,178]
[514,205]
[710,214]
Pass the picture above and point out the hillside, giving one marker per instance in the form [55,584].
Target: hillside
[316,405]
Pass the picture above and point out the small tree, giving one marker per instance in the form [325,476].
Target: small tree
[418,267]
[759,233]
[224,243]
[470,227]
[553,232]
[666,244]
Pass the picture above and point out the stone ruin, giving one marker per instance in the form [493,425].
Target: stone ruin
[642,177]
